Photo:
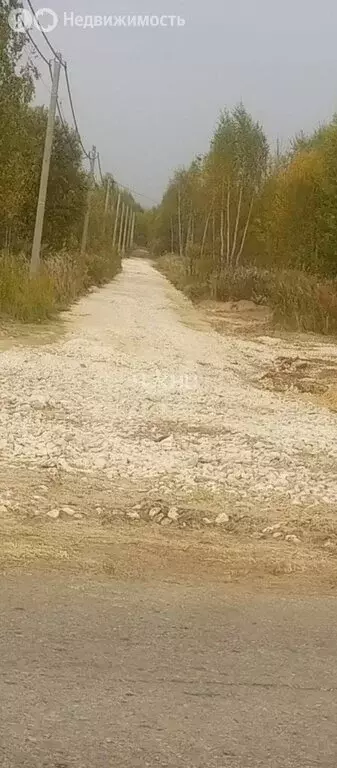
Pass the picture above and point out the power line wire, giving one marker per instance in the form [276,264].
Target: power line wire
[60,112]
[50,72]
[87,155]
[44,84]
[61,116]
[65,67]
[69,90]
[37,48]
[134,192]
[123,186]
[55,54]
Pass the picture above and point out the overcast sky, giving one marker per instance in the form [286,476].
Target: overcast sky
[150,98]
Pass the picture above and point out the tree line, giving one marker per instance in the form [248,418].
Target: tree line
[245,221]
[22,133]
[22,136]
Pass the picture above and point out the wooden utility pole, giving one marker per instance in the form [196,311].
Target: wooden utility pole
[121,229]
[41,206]
[125,228]
[93,157]
[116,220]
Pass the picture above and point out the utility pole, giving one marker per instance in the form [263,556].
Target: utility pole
[132,230]
[93,156]
[116,220]
[128,239]
[121,229]
[41,205]
[125,229]
[107,197]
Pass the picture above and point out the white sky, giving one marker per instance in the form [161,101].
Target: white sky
[150,98]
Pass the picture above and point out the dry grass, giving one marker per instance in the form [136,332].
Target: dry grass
[299,301]
[62,279]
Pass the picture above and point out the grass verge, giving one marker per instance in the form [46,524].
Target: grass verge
[300,301]
[62,279]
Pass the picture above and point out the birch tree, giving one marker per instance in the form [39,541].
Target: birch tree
[237,165]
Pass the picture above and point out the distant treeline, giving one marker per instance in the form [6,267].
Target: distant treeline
[248,222]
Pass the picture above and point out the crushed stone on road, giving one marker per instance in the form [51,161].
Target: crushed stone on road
[140,388]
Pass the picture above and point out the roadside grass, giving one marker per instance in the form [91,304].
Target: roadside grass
[299,301]
[62,279]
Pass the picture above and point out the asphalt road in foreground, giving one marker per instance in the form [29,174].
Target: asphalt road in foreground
[99,673]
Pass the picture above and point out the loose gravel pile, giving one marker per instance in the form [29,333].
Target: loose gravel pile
[141,388]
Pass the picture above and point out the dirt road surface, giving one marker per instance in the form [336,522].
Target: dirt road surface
[97,674]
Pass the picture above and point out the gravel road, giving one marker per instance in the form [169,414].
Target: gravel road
[140,388]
